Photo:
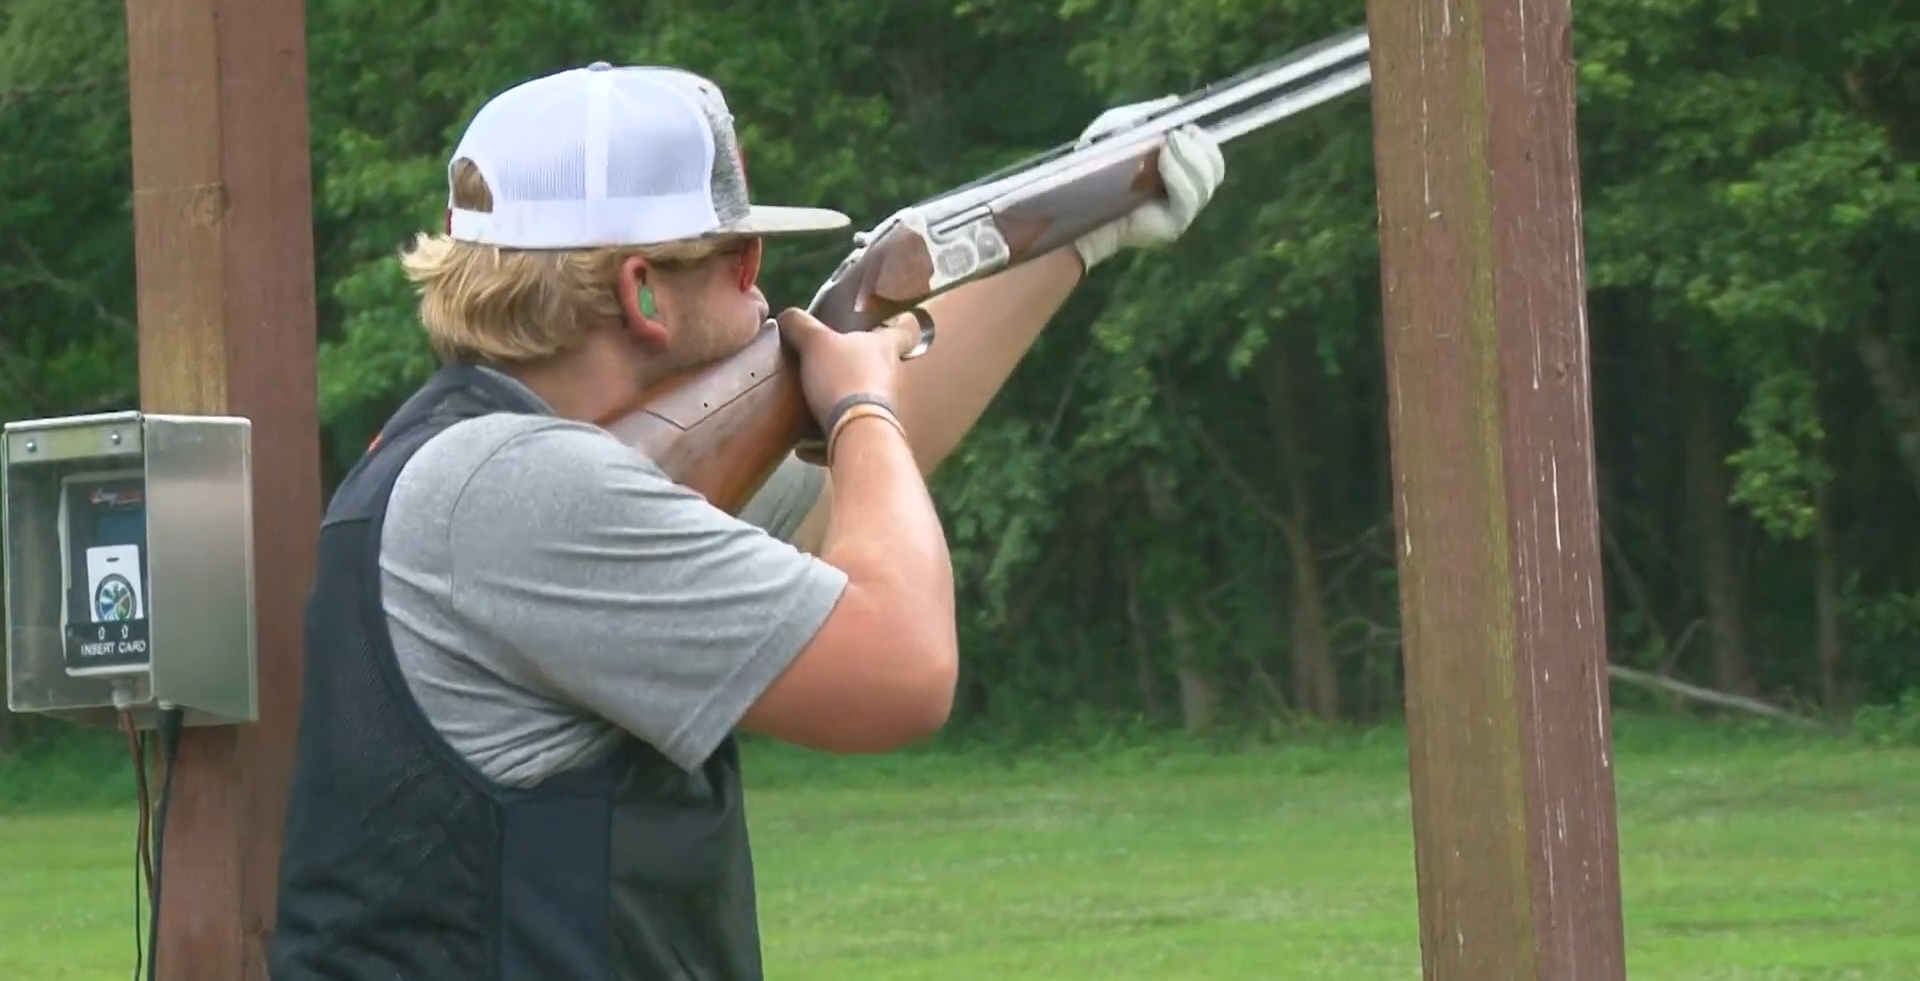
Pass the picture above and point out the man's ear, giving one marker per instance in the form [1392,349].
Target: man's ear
[639,302]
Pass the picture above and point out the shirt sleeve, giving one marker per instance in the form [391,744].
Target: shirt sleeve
[786,499]
[627,594]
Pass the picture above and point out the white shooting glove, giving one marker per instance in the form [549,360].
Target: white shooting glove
[1191,167]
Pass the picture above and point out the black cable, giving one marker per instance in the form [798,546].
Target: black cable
[142,869]
[169,726]
[139,868]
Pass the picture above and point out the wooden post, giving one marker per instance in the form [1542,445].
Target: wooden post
[223,242]
[1483,284]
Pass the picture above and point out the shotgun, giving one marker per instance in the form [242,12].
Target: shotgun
[722,429]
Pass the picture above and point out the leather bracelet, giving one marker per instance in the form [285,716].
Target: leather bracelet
[832,421]
[861,410]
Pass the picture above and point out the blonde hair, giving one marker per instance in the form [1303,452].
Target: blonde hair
[510,306]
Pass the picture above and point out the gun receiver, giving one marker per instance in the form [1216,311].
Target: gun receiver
[723,429]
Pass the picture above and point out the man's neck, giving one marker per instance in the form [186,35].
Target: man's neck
[580,387]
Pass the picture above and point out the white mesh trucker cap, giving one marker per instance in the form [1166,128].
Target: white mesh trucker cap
[602,156]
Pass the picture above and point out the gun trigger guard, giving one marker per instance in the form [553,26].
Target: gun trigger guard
[925,320]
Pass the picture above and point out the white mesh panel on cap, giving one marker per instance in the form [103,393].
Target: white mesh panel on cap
[728,182]
[636,163]
[591,157]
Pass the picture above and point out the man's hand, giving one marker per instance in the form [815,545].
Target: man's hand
[836,367]
[1191,167]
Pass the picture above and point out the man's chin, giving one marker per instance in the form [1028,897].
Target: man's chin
[711,352]
[745,338]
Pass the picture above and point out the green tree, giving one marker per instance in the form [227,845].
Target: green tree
[1178,510]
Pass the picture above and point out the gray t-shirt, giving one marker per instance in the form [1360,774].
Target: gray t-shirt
[548,589]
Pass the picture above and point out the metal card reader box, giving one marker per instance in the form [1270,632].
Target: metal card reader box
[128,549]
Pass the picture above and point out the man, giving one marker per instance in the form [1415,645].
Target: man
[528,650]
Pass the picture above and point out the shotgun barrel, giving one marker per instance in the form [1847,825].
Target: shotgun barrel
[723,429]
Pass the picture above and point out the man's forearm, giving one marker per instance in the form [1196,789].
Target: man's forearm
[887,537]
[985,328]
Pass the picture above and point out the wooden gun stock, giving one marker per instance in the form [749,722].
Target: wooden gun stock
[723,429]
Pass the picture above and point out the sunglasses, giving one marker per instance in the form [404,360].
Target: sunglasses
[745,254]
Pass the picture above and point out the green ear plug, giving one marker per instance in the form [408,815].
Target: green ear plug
[646,301]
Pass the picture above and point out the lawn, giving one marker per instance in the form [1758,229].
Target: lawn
[1743,858]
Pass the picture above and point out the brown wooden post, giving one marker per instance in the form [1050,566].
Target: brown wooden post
[223,241]
[1483,282]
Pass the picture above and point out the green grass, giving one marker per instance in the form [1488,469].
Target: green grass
[1745,856]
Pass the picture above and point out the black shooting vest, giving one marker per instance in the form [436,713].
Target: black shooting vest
[403,863]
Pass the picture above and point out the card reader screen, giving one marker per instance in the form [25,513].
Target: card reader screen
[105,525]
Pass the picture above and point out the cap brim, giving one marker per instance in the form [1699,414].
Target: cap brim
[773,220]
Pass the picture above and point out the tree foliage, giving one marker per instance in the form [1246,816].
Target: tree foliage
[1178,509]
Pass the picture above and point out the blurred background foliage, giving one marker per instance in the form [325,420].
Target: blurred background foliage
[1177,514]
